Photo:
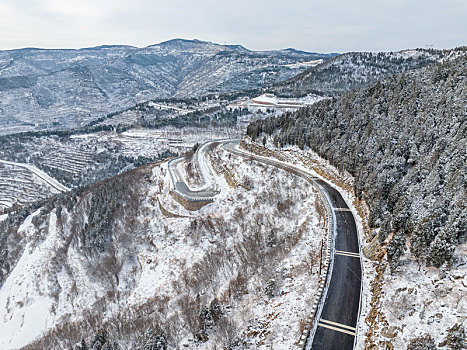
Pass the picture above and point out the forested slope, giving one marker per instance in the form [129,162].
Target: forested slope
[119,264]
[360,69]
[405,142]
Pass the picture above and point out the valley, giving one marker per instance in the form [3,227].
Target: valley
[202,196]
[122,141]
[55,89]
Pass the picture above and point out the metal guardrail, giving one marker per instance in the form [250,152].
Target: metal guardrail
[172,176]
[208,179]
[328,263]
[192,199]
[318,303]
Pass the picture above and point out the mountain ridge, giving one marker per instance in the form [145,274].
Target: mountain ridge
[166,43]
[404,141]
[354,70]
[70,88]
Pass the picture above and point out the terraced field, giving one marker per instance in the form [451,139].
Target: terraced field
[70,160]
[11,126]
[149,143]
[19,186]
[78,160]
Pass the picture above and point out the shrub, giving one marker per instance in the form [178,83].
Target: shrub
[424,342]
[270,288]
[456,337]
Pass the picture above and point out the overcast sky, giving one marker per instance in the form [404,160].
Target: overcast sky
[323,26]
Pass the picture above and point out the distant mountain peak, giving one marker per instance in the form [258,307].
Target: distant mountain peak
[189,43]
[178,41]
[298,52]
[237,47]
[100,47]
[194,42]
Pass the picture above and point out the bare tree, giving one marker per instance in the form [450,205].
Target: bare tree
[228,331]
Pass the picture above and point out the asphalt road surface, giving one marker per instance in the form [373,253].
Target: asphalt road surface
[338,321]
[208,191]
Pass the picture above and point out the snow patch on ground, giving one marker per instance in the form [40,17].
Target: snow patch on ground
[261,320]
[55,279]
[24,183]
[426,300]
[24,309]
[307,64]
[276,104]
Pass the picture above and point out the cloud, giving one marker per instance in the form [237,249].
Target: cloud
[75,9]
[331,25]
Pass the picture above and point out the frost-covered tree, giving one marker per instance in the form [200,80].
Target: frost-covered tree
[404,140]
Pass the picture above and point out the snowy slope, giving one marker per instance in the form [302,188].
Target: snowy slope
[69,88]
[80,266]
[23,183]
[359,69]
[397,307]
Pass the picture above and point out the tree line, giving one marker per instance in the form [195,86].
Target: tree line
[404,140]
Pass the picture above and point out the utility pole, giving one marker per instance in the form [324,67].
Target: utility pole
[320,256]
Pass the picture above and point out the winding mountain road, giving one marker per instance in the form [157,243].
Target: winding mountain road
[336,320]
[337,315]
[209,188]
[336,328]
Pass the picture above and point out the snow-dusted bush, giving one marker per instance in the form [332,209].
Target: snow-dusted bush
[424,342]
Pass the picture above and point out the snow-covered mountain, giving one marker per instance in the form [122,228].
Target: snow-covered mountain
[119,262]
[404,140]
[358,69]
[67,88]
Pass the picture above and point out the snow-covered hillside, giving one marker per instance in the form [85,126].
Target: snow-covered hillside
[403,140]
[69,88]
[121,261]
[21,184]
[150,131]
[359,69]
[417,304]
[270,102]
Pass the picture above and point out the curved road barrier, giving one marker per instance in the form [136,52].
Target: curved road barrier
[180,188]
[335,317]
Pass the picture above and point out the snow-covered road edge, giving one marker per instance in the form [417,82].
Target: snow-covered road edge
[318,303]
[47,178]
[210,185]
[368,272]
